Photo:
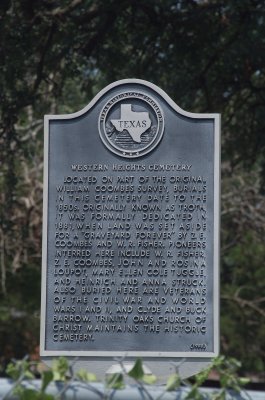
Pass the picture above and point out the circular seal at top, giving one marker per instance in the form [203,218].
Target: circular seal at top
[131,124]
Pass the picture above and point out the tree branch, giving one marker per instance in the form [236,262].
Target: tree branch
[40,67]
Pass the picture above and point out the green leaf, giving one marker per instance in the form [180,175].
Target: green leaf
[219,395]
[84,376]
[45,396]
[48,397]
[202,376]
[149,379]
[243,381]
[60,368]
[137,371]
[218,361]
[29,375]
[13,371]
[234,363]
[16,369]
[47,377]
[115,381]
[194,394]
[173,382]
[225,381]
[29,394]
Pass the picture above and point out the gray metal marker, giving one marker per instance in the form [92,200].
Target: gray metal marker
[131,232]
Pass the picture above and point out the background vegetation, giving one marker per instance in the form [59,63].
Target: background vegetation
[209,57]
[60,381]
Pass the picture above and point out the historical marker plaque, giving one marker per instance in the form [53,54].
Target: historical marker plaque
[131,229]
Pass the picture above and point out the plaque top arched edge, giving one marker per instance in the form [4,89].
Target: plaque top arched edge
[142,83]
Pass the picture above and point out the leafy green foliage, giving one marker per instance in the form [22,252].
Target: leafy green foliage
[173,382]
[47,378]
[115,381]
[20,368]
[60,368]
[84,376]
[137,373]
[243,301]
[31,394]
[226,368]
[20,371]
[149,379]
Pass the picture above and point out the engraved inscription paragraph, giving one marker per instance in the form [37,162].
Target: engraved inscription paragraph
[130,257]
